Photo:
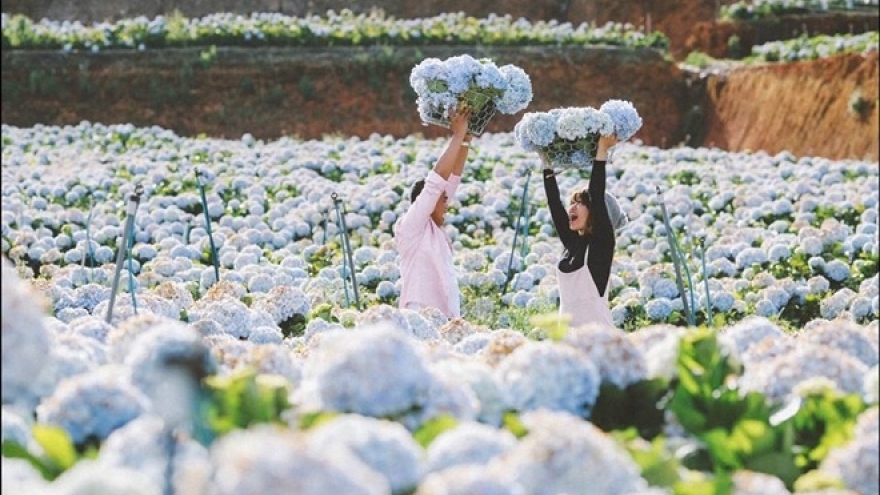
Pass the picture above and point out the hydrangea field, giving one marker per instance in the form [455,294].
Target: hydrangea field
[223,349]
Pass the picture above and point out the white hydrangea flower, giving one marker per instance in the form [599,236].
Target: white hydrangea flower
[145,445]
[857,463]
[777,377]
[563,454]
[547,375]
[618,360]
[661,356]
[473,343]
[91,326]
[317,326]
[750,331]
[93,404]
[482,381]
[835,305]
[871,386]
[770,347]
[94,353]
[232,314]
[15,427]
[466,479]
[446,397]
[456,329]
[89,477]
[21,477]
[422,328]
[273,461]
[836,270]
[384,446]
[754,483]
[467,443]
[25,340]
[372,370]
[384,313]
[163,351]
[844,335]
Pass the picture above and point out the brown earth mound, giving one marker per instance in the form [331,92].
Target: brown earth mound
[308,93]
[823,108]
[818,108]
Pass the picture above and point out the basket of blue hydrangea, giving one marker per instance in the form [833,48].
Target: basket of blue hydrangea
[443,86]
[567,137]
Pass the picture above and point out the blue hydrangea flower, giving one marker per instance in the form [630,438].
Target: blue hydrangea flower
[624,116]
[93,404]
[440,84]
[468,443]
[658,309]
[545,375]
[384,446]
[836,270]
[518,94]
[535,130]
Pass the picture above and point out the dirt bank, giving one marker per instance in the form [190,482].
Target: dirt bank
[309,93]
[823,108]
[807,108]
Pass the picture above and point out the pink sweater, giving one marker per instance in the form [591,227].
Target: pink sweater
[427,274]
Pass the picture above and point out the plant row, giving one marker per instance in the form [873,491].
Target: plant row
[333,29]
[760,9]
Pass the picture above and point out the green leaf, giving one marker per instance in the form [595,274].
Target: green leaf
[15,450]
[682,404]
[779,464]
[702,484]
[512,423]
[311,420]
[817,481]
[57,445]
[432,428]
[658,466]
[723,453]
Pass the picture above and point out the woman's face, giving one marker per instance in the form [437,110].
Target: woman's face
[578,217]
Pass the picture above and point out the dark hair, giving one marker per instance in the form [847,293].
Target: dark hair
[416,190]
[582,197]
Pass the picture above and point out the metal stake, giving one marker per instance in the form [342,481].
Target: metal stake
[133,200]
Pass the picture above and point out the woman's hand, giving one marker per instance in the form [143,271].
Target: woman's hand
[605,143]
[459,120]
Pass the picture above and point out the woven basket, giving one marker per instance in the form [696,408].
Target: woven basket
[571,154]
[483,111]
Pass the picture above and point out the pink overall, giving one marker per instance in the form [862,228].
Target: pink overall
[579,297]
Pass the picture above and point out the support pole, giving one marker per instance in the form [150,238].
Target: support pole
[133,200]
[346,247]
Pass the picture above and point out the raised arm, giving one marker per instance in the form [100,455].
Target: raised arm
[557,210]
[602,245]
[453,157]
[441,179]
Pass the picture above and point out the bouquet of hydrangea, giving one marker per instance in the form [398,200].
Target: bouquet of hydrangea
[441,85]
[567,137]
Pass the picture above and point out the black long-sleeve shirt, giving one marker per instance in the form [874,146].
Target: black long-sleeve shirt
[600,241]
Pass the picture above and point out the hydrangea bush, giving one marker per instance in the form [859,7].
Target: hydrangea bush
[462,81]
[272,359]
[333,28]
[567,137]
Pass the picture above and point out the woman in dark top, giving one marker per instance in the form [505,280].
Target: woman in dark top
[586,230]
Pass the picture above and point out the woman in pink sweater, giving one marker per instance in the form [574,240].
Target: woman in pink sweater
[427,274]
